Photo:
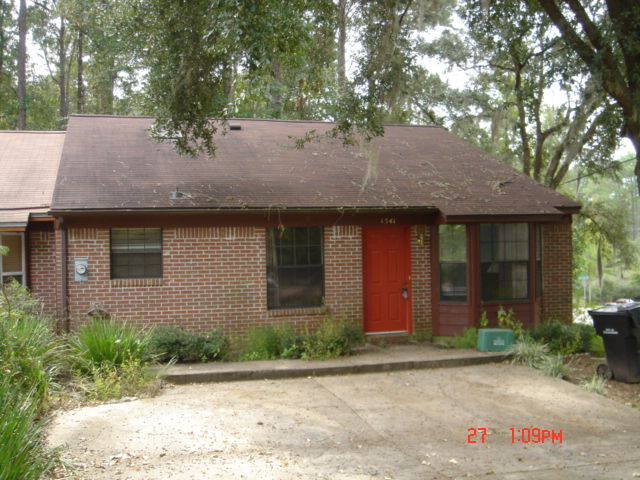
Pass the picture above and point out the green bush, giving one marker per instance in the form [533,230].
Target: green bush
[22,454]
[597,346]
[268,342]
[331,339]
[108,341]
[166,343]
[469,338]
[564,339]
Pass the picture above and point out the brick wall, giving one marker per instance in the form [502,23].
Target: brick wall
[42,268]
[216,277]
[557,272]
[212,277]
[421,280]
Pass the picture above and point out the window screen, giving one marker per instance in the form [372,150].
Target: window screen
[295,269]
[136,253]
[504,261]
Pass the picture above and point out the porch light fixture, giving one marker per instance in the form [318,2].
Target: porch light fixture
[177,195]
[421,239]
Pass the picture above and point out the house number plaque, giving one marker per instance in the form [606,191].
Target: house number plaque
[387,221]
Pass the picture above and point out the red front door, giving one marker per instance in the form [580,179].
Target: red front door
[386,282]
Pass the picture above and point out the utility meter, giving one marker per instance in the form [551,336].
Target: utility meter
[81,270]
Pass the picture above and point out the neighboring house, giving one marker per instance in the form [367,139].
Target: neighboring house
[416,232]
[29,166]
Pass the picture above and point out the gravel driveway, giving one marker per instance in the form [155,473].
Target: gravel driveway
[402,425]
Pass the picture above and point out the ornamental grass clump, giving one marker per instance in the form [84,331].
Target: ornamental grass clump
[528,352]
[31,355]
[23,454]
[597,385]
[31,363]
[106,341]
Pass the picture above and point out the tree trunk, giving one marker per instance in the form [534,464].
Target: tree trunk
[2,44]
[62,74]
[80,81]
[342,42]
[22,66]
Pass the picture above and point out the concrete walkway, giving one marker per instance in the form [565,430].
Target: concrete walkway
[368,360]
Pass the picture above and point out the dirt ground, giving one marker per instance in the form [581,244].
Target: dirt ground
[582,368]
[467,422]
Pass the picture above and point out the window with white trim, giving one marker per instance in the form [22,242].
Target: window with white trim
[12,265]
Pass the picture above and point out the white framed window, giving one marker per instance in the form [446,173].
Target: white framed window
[13,264]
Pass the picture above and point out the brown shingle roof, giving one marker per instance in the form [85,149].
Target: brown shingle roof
[110,163]
[29,164]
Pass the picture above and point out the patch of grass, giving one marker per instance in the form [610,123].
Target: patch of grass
[167,343]
[596,385]
[130,379]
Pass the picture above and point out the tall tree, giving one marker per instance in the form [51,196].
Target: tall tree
[22,66]
[515,66]
[7,61]
[607,39]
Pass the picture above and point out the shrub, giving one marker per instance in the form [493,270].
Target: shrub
[331,339]
[564,339]
[108,341]
[23,454]
[268,342]
[507,320]
[166,343]
[597,346]
[469,338]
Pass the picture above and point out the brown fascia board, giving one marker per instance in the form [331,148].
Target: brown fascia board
[240,211]
[456,219]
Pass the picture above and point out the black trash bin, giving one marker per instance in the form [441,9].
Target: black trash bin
[619,327]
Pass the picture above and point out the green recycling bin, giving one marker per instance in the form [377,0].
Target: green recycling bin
[494,339]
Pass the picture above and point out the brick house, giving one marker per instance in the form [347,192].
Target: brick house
[417,232]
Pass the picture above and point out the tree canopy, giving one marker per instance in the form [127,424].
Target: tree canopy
[606,37]
[357,63]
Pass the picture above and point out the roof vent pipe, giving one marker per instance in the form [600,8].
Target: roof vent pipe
[177,195]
